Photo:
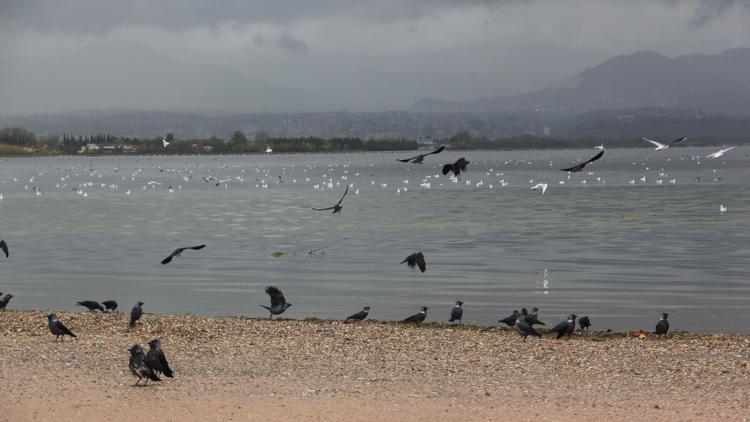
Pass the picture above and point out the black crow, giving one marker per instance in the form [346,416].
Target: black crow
[179,251]
[510,320]
[531,318]
[91,304]
[584,322]
[278,302]
[418,159]
[361,315]
[57,328]
[110,305]
[457,312]
[566,327]
[663,325]
[417,318]
[139,366]
[135,313]
[580,166]
[336,208]
[456,168]
[156,359]
[4,301]
[525,329]
[416,259]
[4,247]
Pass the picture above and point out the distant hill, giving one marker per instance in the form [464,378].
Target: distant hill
[718,83]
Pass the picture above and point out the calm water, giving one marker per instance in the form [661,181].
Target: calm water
[617,251]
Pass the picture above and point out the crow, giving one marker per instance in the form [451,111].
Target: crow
[156,359]
[566,327]
[531,318]
[580,166]
[361,315]
[58,328]
[110,305]
[139,366]
[135,313]
[336,208]
[419,317]
[416,259]
[4,301]
[278,302]
[510,320]
[584,322]
[456,168]
[4,247]
[418,159]
[525,329]
[457,312]
[91,304]
[179,251]
[662,327]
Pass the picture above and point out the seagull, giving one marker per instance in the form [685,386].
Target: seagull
[418,317]
[91,304]
[361,315]
[416,259]
[663,325]
[336,208]
[600,146]
[179,251]
[456,168]
[722,208]
[538,186]
[418,159]
[139,366]
[278,302]
[457,312]
[584,323]
[660,146]
[510,320]
[58,328]
[4,247]
[580,166]
[164,142]
[720,152]
[566,327]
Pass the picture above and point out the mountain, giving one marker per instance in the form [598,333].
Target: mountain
[718,83]
[130,76]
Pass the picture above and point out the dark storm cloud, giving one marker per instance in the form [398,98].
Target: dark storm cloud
[291,45]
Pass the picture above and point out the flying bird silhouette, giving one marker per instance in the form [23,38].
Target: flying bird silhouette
[580,166]
[416,259]
[4,247]
[418,159]
[361,315]
[659,146]
[720,152]
[336,208]
[456,168]
[179,251]
[278,302]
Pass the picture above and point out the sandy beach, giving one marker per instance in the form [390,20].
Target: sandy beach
[247,369]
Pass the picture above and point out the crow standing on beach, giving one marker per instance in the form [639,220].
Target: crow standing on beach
[418,317]
[58,328]
[510,320]
[278,302]
[566,328]
[135,313]
[416,260]
[139,366]
[584,322]
[457,312]
[456,168]
[4,301]
[662,327]
[156,359]
[91,304]
[531,318]
[525,329]
[361,315]
[110,305]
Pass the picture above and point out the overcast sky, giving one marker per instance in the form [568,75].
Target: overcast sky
[379,55]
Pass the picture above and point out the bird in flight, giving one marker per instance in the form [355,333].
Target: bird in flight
[540,186]
[418,159]
[179,251]
[600,146]
[4,247]
[720,152]
[336,208]
[278,302]
[659,146]
[456,168]
[580,166]
[414,260]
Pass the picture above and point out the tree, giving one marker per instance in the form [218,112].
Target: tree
[238,141]
[17,136]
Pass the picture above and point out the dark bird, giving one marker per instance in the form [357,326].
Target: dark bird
[580,166]
[135,313]
[566,327]
[179,251]
[584,322]
[419,317]
[91,304]
[663,325]
[418,159]
[139,366]
[361,315]
[4,301]
[336,208]
[4,247]
[510,320]
[278,302]
[456,167]
[156,359]
[531,318]
[457,312]
[57,328]
[110,305]
[525,329]
[414,260]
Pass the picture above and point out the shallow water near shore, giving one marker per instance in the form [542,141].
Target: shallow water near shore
[617,251]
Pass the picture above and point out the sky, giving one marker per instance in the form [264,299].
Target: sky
[333,54]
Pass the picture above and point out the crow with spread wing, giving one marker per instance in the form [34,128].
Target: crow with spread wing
[179,251]
[336,208]
[418,159]
[580,166]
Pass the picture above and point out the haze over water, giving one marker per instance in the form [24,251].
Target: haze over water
[621,253]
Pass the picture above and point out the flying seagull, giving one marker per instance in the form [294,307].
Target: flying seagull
[418,317]
[580,166]
[510,320]
[659,146]
[135,313]
[456,168]
[720,152]
[416,259]
[91,304]
[361,315]
[156,359]
[278,302]
[139,366]
[600,146]
[418,159]
[662,327]
[336,208]
[540,186]
[57,328]
[179,251]
[4,247]
[566,327]
[110,305]
[584,322]
[457,312]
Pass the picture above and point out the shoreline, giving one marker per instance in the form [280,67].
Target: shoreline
[257,369]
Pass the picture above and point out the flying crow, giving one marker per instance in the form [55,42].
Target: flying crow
[156,359]
[416,259]
[57,328]
[510,320]
[139,366]
[525,329]
[91,304]
[135,313]
[580,166]
[660,146]
[278,302]
[419,317]
[4,247]
[584,323]
[457,312]
[456,167]
[110,305]
[179,251]
[336,208]
[418,159]
[663,325]
[566,327]
[361,315]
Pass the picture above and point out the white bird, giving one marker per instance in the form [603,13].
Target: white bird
[601,146]
[164,142]
[720,152]
[722,208]
[542,186]
[660,146]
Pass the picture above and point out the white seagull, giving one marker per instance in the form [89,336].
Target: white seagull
[542,186]
[164,142]
[720,152]
[660,146]
[722,208]
[600,146]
